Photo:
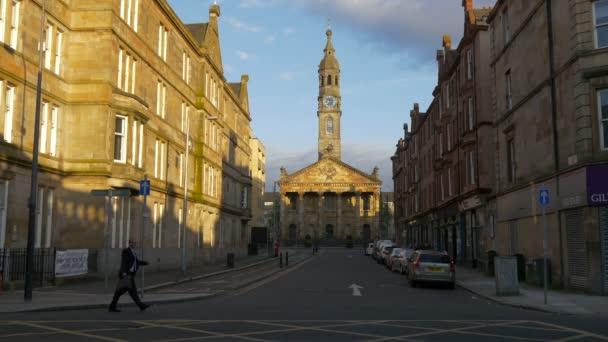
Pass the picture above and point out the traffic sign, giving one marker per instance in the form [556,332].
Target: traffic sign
[544,197]
[111,192]
[144,187]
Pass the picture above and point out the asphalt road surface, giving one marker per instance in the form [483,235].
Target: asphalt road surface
[312,301]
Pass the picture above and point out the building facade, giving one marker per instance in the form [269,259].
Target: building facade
[538,90]
[329,201]
[551,110]
[258,175]
[125,84]
[443,166]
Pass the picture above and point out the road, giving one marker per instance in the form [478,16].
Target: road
[312,301]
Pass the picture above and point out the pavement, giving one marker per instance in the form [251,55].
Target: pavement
[531,297]
[89,294]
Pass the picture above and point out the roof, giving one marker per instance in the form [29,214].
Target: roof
[370,178]
[198,31]
[236,87]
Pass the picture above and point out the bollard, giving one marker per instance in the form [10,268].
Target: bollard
[286,258]
[281,260]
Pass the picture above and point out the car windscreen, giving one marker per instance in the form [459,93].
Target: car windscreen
[436,258]
[396,251]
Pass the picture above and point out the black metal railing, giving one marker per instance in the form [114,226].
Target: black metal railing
[43,272]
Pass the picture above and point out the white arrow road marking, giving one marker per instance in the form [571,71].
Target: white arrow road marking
[356,290]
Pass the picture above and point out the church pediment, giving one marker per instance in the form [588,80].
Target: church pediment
[329,170]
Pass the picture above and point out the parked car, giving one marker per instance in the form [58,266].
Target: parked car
[400,263]
[431,267]
[395,253]
[369,250]
[378,248]
[385,252]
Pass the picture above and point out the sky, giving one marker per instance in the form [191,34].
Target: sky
[386,50]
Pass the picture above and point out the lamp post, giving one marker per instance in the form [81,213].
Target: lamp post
[31,224]
[185,211]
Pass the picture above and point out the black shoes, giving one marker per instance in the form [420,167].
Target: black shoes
[144,307]
[113,309]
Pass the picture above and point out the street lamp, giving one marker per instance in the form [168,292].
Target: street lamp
[185,211]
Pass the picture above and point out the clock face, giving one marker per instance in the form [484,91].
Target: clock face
[329,101]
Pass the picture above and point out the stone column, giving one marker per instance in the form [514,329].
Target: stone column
[358,212]
[339,213]
[377,201]
[283,227]
[300,228]
[320,215]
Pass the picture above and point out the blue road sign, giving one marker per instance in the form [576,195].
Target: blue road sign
[144,187]
[543,197]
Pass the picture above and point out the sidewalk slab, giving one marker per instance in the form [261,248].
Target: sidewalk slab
[558,301]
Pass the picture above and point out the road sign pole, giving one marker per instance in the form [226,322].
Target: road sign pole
[545,253]
[105,243]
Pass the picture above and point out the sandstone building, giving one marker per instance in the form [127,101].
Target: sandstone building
[122,82]
[329,200]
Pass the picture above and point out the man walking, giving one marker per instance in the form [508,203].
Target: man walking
[129,265]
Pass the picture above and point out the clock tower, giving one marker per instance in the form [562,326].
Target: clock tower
[329,102]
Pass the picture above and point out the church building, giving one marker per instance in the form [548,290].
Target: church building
[329,201]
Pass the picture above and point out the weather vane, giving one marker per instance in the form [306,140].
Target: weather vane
[328,23]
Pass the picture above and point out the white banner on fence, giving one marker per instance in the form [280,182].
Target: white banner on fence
[71,262]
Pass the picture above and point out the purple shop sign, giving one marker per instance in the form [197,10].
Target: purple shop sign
[597,185]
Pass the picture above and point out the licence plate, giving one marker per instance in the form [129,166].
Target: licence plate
[433,269]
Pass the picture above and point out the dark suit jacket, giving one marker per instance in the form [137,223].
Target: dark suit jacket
[126,261]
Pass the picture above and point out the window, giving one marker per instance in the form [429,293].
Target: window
[137,144]
[471,113]
[159,160]
[440,106]
[162,41]
[471,168]
[440,144]
[120,139]
[180,218]
[508,90]
[603,116]
[450,193]
[44,207]
[8,106]
[185,116]
[14,28]
[600,14]
[330,126]
[157,221]
[449,129]
[181,169]
[129,11]
[3,209]
[186,67]
[53,47]
[447,96]
[330,202]
[469,64]
[3,18]
[511,160]
[48,128]
[506,26]
[244,197]
[58,50]
[161,97]
[48,44]
[126,71]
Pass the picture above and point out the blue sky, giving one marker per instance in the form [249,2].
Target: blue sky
[386,49]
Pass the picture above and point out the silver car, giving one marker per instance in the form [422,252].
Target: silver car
[431,267]
[399,263]
[392,258]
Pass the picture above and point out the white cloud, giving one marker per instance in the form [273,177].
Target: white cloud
[243,55]
[270,39]
[259,3]
[242,26]
[288,75]
[361,156]
[228,68]
[417,25]
[288,31]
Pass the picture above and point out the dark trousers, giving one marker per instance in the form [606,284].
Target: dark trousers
[132,290]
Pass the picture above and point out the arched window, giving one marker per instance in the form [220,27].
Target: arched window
[329,80]
[330,126]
